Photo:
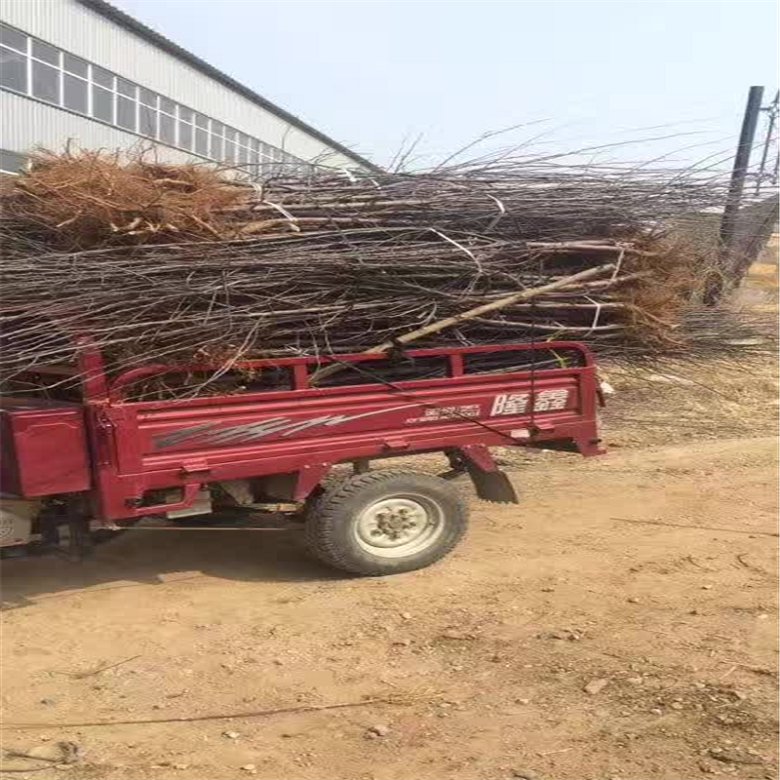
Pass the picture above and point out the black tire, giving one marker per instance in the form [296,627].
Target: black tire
[339,522]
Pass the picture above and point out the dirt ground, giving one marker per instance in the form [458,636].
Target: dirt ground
[620,623]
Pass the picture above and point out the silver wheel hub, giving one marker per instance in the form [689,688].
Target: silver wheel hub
[398,526]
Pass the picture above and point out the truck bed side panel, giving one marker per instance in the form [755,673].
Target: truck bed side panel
[163,444]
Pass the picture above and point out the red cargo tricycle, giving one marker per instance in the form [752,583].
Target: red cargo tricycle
[111,457]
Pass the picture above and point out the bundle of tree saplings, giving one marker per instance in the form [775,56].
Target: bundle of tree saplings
[188,265]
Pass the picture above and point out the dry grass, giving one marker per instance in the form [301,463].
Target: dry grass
[87,199]
[672,276]
[713,397]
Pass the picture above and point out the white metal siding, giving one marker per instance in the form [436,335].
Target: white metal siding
[75,28]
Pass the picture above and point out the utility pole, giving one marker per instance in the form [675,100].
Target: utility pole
[741,163]
[734,198]
[772,110]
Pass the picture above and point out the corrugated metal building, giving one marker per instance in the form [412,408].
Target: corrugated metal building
[83,72]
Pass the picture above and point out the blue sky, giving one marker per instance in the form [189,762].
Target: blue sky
[376,74]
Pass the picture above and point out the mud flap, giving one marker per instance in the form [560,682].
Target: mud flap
[490,482]
[493,486]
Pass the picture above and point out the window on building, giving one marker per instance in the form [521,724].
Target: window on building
[167,119]
[266,159]
[184,128]
[201,142]
[243,151]
[102,77]
[75,65]
[42,51]
[167,132]
[147,121]
[13,70]
[14,39]
[185,135]
[126,88]
[102,104]
[147,97]
[125,113]
[215,147]
[45,82]
[254,156]
[74,93]
[201,135]
[12,162]
[230,145]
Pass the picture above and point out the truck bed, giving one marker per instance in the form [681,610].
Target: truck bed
[477,397]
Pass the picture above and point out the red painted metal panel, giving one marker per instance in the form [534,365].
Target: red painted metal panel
[184,443]
[44,448]
[176,443]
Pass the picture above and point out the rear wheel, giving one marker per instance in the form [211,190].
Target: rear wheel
[385,522]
